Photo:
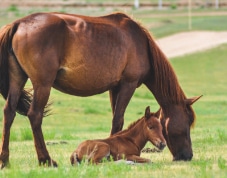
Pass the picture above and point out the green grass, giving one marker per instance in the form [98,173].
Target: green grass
[76,119]
[160,23]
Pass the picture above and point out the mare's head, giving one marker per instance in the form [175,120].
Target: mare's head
[176,123]
[153,129]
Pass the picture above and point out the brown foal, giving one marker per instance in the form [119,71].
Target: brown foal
[126,144]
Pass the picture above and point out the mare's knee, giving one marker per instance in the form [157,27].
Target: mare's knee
[35,119]
[9,116]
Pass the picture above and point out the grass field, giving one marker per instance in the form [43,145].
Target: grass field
[75,119]
[160,23]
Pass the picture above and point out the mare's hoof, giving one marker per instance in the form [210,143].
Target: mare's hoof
[54,163]
[49,163]
[3,164]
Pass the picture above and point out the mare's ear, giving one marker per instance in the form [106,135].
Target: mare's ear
[147,112]
[190,101]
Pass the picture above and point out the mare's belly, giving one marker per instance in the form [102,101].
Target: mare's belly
[84,81]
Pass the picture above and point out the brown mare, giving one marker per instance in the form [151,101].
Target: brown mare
[126,144]
[84,56]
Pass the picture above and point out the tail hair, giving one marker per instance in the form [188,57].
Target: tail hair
[24,103]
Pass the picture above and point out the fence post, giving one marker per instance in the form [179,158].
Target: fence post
[159,4]
[136,4]
[217,4]
[189,15]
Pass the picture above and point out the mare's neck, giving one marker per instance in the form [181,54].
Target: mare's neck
[168,102]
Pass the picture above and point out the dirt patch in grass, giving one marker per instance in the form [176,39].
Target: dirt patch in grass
[190,42]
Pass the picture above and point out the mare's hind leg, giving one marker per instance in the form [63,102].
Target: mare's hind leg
[35,115]
[120,98]
[17,82]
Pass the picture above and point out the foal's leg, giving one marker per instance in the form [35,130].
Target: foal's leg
[35,115]
[17,82]
[101,150]
[120,100]
[137,159]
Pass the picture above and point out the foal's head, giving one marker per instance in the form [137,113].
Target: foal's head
[153,130]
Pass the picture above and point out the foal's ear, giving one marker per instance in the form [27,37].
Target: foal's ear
[157,114]
[190,101]
[147,112]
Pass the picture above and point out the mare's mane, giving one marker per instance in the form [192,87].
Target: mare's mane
[168,86]
[165,79]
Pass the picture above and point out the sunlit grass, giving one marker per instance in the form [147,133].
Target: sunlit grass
[160,23]
[76,119]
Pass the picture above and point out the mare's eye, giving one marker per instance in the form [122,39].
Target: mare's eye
[151,127]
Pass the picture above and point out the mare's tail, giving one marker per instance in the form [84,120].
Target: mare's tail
[6,35]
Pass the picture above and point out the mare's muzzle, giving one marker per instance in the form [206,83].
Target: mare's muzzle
[183,157]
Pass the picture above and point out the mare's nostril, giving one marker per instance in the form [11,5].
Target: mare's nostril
[183,157]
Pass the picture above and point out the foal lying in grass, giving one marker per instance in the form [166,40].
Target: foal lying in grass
[126,144]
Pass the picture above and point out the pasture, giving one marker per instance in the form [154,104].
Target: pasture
[75,119]
[160,23]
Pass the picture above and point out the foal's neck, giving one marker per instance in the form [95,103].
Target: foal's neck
[136,134]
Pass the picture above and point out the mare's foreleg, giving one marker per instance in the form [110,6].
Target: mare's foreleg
[35,115]
[120,98]
[113,98]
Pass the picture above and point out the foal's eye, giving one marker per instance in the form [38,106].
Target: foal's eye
[151,127]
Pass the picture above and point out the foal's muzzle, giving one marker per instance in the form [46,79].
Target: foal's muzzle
[161,145]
